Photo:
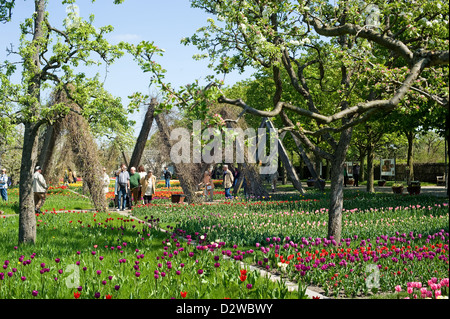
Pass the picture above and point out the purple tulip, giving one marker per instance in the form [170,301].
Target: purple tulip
[97,295]
[200,271]
[35,293]
[116,287]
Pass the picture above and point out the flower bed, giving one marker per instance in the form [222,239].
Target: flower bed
[395,242]
[117,257]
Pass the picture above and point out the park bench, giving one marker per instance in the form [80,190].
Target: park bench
[439,180]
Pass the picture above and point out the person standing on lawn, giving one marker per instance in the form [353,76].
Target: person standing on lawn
[227,181]
[39,189]
[345,175]
[105,181]
[209,186]
[123,187]
[274,179]
[142,174]
[4,185]
[148,185]
[134,185]
[167,176]
[356,169]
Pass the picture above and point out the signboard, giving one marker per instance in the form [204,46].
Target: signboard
[387,167]
[349,169]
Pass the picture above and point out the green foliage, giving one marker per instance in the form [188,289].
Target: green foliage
[62,52]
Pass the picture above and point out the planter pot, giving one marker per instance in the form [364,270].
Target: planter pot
[413,190]
[397,190]
[310,183]
[350,182]
[381,183]
[177,198]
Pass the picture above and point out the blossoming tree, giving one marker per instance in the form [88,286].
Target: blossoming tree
[49,58]
[395,43]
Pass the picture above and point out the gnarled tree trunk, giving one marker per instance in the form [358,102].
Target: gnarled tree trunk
[143,135]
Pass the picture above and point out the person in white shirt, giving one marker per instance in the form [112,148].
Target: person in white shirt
[148,184]
[4,185]
[39,189]
[106,180]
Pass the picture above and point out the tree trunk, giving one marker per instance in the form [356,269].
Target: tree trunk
[337,186]
[143,135]
[46,151]
[86,158]
[370,167]
[185,172]
[284,176]
[410,137]
[27,219]
[307,162]
[286,162]
[362,175]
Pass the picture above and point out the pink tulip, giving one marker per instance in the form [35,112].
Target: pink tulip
[423,291]
[444,282]
[437,293]
[398,288]
[410,290]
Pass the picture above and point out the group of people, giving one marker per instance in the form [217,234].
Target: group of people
[355,172]
[229,180]
[134,187]
[70,177]
[208,183]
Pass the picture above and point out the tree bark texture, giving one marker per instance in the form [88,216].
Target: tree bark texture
[143,135]
[370,167]
[410,161]
[27,219]
[187,173]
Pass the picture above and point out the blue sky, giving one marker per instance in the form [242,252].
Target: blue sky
[164,22]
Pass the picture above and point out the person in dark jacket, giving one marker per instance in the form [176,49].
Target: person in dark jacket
[167,176]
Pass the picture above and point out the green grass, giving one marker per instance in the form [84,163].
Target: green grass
[56,199]
[66,239]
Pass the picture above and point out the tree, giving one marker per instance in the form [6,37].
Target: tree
[143,135]
[46,65]
[6,10]
[282,35]
[271,34]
